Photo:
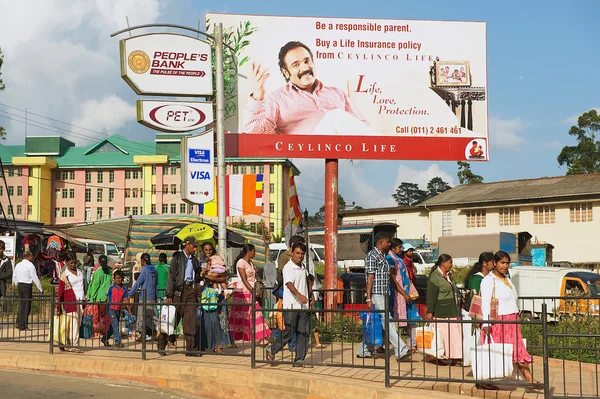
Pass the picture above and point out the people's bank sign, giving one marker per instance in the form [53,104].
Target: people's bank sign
[167,64]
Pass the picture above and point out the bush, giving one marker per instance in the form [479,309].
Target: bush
[320,269]
[341,328]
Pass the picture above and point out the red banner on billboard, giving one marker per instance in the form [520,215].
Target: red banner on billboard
[355,147]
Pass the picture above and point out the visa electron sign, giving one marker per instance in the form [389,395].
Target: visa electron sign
[167,64]
[197,162]
[174,116]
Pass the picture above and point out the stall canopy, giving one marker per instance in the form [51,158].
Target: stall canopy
[172,238]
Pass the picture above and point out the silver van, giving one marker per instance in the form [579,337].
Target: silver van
[100,248]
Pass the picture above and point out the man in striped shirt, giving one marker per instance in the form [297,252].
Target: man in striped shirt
[377,270]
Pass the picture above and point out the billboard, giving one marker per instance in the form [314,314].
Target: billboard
[167,64]
[197,167]
[359,88]
[174,116]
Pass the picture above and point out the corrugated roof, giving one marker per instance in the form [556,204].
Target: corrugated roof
[545,188]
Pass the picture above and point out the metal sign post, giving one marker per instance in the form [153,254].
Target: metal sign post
[220,130]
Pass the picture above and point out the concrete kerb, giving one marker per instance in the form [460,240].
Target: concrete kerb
[212,380]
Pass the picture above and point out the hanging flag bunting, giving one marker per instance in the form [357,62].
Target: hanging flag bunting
[243,196]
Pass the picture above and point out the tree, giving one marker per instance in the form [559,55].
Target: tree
[2,131]
[436,186]
[585,156]
[319,218]
[240,224]
[465,175]
[408,194]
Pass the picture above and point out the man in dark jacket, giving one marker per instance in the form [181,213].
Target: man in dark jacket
[6,270]
[182,290]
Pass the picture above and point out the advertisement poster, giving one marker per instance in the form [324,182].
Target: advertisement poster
[312,87]
[197,166]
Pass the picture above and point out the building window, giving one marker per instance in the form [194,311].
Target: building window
[127,174]
[271,227]
[509,216]
[127,211]
[153,170]
[446,223]
[65,175]
[111,194]
[543,214]
[165,189]
[56,192]
[173,170]
[261,169]
[190,208]
[11,190]
[71,193]
[154,189]
[581,212]
[141,193]
[476,218]
[111,176]
[19,171]
[136,174]
[153,209]
[10,210]
[271,207]
[98,213]
[100,176]
[181,208]
[88,176]
[135,193]
[88,213]
[20,209]
[56,212]
[253,227]
[30,191]
[141,210]
[272,169]
[165,208]
[1,190]
[64,212]
[252,170]
[71,212]
[243,169]
[29,210]
[65,193]
[271,188]
[135,211]
[165,170]
[88,195]
[111,212]
[71,175]
[262,208]
[99,195]
[173,188]
[57,175]
[173,208]
[11,171]
[127,193]
[236,169]
[20,191]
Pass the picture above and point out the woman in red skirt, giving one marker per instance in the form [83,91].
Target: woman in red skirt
[497,284]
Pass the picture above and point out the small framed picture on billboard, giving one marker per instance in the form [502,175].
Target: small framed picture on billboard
[452,73]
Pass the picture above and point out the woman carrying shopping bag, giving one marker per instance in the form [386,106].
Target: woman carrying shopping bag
[71,288]
[498,285]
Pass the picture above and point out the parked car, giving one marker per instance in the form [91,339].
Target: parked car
[100,248]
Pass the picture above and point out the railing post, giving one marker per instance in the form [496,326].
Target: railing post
[143,325]
[546,366]
[253,337]
[386,339]
[52,312]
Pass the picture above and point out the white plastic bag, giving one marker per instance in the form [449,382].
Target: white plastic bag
[167,319]
[492,360]
[430,341]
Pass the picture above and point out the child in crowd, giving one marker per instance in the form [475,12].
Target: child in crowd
[115,295]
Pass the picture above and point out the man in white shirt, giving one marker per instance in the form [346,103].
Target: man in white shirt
[23,277]
[296,295]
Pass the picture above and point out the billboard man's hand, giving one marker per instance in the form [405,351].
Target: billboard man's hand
[259,75]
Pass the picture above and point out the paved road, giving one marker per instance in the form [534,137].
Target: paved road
[26,385]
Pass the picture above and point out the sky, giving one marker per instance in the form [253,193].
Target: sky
[61,63]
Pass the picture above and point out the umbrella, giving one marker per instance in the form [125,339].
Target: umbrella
[172,238]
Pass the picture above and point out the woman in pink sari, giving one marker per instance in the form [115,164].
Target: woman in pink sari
[240,319]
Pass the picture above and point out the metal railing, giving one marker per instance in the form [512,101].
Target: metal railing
[561,333]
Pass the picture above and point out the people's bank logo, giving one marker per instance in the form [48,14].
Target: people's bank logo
[138,62]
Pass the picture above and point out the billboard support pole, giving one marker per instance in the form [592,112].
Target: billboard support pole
[220,130]
[331,230]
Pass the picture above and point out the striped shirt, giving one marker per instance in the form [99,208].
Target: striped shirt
[377,264]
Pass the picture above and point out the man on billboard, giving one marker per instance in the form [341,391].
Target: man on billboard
[304,105]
